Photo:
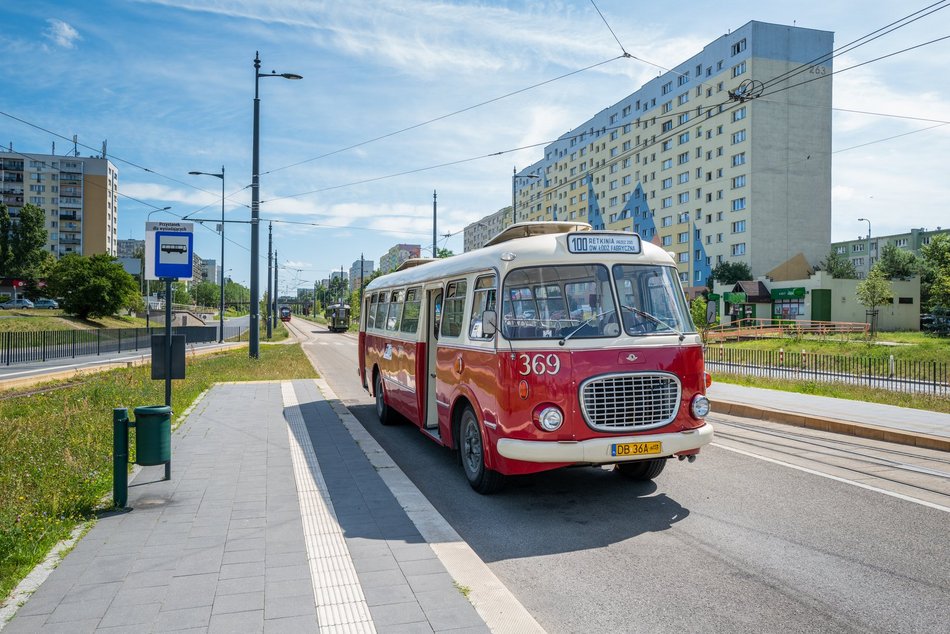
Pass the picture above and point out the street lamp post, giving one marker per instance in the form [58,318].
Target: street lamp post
[254,341]
[514,178]
[869,242]
[221,264]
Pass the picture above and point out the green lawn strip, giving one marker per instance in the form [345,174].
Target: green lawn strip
[927,402]
[56,446]
[905,346]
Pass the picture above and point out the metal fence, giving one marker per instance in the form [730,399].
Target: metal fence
[885,373]
[23,347]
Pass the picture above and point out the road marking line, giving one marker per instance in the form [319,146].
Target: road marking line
[861,485]
[337,593]
[498,607]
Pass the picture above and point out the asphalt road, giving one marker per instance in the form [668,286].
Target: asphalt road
[772,529]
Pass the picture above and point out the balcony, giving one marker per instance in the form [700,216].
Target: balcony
[69,241]
[69,215]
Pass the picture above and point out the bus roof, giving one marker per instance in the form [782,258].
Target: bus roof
[537,246]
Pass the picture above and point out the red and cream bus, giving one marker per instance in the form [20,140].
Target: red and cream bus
[553,345]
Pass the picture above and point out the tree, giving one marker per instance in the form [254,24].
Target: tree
[207,294]
[443,253]
[897,263]
[180,294]
[338,290]
[95,286]
[874,291]
[839,266]
[27,242]
[5,227]
[935,272]
[731,272]
[697,310]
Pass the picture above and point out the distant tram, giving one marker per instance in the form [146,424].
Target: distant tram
[285,313]
[338,317]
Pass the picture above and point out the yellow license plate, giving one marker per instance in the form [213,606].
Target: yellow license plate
[636,448]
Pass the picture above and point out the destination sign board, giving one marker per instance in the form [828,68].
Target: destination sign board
[590,242]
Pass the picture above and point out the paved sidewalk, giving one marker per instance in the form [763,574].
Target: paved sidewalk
[274,520]
[887,422]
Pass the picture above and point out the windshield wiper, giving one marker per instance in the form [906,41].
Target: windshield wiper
[656,320]
[586,323]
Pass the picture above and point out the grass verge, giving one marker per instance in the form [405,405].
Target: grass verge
[56,446]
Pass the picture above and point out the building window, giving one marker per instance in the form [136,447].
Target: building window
[667,145]
[667,163]
[738,226]
[739,114]
[684,138]
[683,257]
[738,159]
[738,69]
[683,178]
[738,204]
[683,79]
[667,126]
[667,202]
[667,87]
[683,197]
[682,158]
[738,181]
[738,137]
[738,47]
[667,241]
[667,221]
[667,183]
[682,99]
[683,118]
[738,249]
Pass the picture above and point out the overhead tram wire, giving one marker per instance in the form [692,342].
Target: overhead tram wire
[445,116]
[607,24]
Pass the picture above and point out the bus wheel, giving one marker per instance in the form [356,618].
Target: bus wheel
[641,469]
[386,416]
[472,452]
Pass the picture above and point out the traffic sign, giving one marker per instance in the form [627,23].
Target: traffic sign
[169,250]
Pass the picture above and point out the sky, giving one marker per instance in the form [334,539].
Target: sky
[403,98]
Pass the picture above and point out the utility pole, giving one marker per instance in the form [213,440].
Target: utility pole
[270,250]
[276,292]
[435,241]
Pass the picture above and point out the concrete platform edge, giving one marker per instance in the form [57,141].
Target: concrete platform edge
[848,428]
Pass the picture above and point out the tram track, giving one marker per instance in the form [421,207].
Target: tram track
[877,461]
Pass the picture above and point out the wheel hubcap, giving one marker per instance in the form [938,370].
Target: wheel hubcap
[472,448]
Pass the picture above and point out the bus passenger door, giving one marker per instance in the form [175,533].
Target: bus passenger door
[433,314]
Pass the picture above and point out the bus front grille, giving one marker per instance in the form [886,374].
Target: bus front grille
[625,402]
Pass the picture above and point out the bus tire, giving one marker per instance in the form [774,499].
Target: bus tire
[385,413]
[472,454]
[641,469]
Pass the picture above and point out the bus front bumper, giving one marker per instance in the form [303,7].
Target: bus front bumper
[600,450]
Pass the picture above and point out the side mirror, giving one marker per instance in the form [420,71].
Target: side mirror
[489,323]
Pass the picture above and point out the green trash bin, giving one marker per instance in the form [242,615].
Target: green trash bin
[153,435]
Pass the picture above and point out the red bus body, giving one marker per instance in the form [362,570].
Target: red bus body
[507,382]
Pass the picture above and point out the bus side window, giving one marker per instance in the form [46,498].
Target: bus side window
[410,314]
[438,314]
[484,300]
[382,307]
[453,308]
[395,310]
[371,310]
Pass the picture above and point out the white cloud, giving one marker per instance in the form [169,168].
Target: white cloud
[61,33]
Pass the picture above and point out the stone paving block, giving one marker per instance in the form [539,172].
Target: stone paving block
[24,624]
[382,595]
[92,592]
[374,564]
[280,607]
[191,591]
[149,578]
[238,602]
[140,596]
[169,620]
[422,567]
[382,578]
[123,614]
[244,556]
[453,617]
[75,612]
[71,627]
[288,573]
[419,627]
[200,561]
[237,622]
[411,552]
[244,544]
[239,586]
[431,582]
[279,560]
[287,588]
[291,625]
[397,614]
[242,570]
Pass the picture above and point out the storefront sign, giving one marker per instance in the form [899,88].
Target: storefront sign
[797,292]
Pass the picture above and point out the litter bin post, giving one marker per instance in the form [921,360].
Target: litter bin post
[120,456]
[153,437]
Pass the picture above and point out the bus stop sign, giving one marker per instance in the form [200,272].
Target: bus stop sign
[169,250]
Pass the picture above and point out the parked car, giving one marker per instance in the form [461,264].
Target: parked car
[44,302]
[17,303]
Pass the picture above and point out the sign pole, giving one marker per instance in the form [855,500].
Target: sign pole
[168,341]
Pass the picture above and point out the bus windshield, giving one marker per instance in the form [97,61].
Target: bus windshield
[651,300]
[550,302]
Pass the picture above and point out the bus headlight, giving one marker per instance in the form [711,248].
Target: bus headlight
[549,418]
[699,408]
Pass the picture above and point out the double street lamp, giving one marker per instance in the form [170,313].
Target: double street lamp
[221,263]
[254,341]
[514,177]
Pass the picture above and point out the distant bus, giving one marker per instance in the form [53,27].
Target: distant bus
[338,317]
[285,313]
[553,345]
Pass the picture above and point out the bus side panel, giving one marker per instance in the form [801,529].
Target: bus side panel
[403,374]
[479,383]
[421,383]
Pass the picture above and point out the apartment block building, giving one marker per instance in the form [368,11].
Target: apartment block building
[397,255]
[478,233]
[360,270]
[79,196]
[725,158]
[865,251]
[128,248]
